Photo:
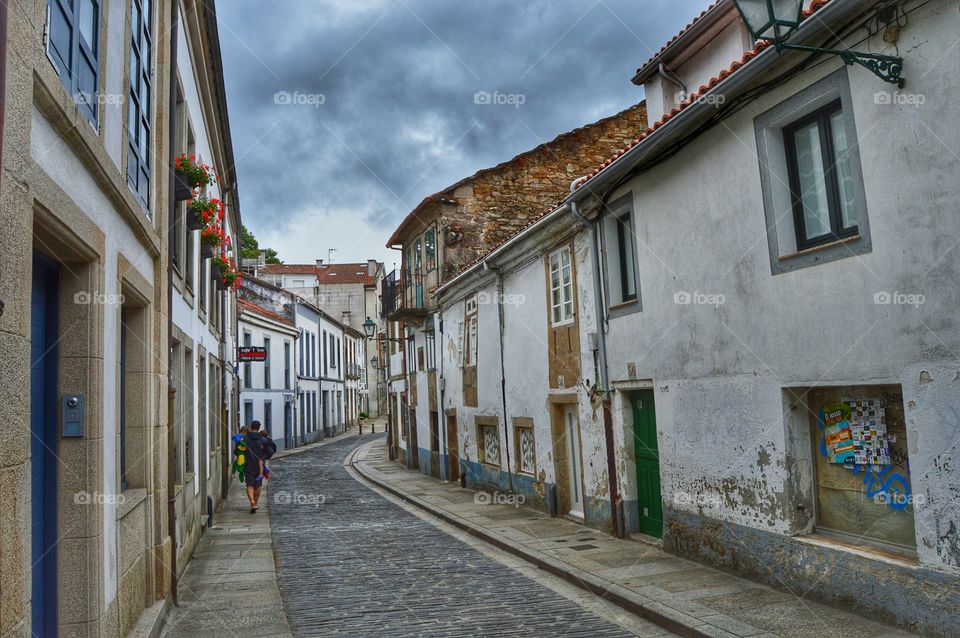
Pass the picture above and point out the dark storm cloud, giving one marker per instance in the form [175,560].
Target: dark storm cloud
[362,108]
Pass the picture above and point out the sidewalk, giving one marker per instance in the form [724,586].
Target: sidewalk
[688,598]
[230,588]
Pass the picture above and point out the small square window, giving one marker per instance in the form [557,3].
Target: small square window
[488,444]
[526,450]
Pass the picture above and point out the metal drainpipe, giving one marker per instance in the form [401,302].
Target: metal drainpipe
[171,471]
[615,519]
[503,375]
[671,77]
[441,383]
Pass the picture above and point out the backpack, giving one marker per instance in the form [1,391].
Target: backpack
[267,448]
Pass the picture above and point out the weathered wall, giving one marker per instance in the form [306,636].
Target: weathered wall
[496,203]
[719,369]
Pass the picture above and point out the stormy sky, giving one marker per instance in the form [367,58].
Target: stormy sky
[345,114]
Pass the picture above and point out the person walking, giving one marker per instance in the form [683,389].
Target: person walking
[257,452]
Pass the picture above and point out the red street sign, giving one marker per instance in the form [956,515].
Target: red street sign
[252,353]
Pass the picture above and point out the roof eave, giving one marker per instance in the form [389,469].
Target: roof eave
[686,37]
[693,114]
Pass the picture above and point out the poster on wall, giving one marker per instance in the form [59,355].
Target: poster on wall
[837,431]
[868,427]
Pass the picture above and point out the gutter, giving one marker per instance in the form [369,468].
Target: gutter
[737,81]
[171,187]
[601,318]
[503,371]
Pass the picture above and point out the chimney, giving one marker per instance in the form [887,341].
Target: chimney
[371,267]
[319,263]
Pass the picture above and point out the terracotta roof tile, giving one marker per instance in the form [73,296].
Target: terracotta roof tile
[679,35]
[290,269]
[344,274]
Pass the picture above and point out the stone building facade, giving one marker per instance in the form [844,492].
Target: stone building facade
[87,543]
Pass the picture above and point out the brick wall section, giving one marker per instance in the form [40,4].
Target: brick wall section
[496,203]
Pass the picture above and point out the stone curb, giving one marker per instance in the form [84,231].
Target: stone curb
[671,620]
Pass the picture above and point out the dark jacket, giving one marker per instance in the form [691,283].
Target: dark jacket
[255,453]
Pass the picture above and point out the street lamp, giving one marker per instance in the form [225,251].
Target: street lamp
[369,328]
[374,361]
[776,20]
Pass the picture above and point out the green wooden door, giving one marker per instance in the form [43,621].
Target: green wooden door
[649,501]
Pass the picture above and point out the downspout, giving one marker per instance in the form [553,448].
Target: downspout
[503,374]
[171,229]
[405,417]
[673,79]
[615,517]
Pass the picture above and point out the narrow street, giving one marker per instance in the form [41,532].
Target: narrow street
[351,562]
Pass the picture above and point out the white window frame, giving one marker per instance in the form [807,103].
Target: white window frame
[559,315]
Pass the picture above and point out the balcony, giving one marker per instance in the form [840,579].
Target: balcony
[411,300]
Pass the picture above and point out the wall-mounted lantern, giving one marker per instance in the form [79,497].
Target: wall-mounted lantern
[776,20]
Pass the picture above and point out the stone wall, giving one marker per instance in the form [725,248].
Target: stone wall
[496,203]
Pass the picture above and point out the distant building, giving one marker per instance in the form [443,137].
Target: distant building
[267,389]
[349,293]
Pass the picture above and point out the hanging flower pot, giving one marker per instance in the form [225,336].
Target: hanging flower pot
[181,188]
[203,212]
[230,279]
[195,174]
[206,250]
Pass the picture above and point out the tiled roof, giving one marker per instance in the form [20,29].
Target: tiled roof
[290,269]
[705,88]
[679,35]
[249,306]
[693,97]
[344,274]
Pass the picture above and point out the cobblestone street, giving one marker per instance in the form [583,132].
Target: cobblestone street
[350,562]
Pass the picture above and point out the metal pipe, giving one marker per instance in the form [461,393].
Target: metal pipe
[672,77]
[604,376]
[503,374]
[171,229]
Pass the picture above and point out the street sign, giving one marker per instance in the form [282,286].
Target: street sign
[251,353]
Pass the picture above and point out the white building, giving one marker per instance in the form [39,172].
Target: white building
[267,387]
[308,372]
[332,377]
[737,333]
[203,314]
